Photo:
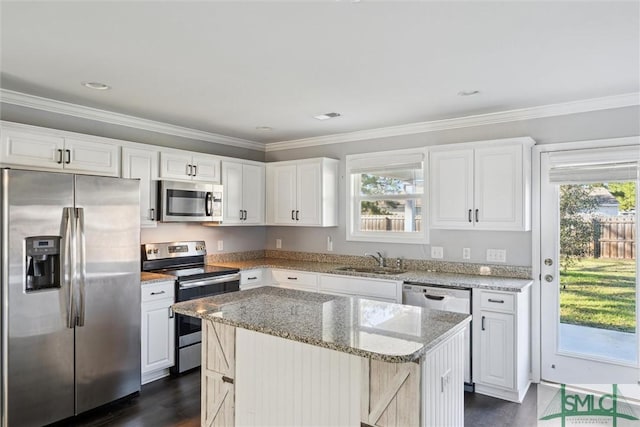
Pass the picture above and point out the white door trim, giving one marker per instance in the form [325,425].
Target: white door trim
[536,353]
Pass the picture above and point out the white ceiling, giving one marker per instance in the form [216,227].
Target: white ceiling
[228,67]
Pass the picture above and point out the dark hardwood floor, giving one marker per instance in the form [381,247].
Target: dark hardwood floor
[175,402]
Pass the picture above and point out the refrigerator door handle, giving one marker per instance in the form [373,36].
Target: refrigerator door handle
[68,263]
[81,265]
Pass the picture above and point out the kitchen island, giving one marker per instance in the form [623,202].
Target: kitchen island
[274,356]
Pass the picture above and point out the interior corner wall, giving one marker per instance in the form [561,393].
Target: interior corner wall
[615,123]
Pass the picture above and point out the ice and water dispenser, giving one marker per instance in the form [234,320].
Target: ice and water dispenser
[43,262]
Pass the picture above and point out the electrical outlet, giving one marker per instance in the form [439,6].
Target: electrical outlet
[220,245]
[278,243]
[466,253]
[496,255]
[437,252]
[329,244]
[445,379]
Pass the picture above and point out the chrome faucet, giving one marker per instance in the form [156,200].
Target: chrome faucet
[379,258]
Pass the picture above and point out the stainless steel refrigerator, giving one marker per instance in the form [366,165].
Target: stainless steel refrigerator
[70,251]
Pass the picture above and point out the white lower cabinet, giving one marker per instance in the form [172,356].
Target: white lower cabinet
[157,330]
[501,348]
[379,289]
[250,279]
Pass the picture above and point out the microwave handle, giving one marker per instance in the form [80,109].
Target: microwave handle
[208,203]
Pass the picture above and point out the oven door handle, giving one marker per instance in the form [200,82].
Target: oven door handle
[212,281]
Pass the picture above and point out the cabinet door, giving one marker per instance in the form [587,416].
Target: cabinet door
[31,149]
[451,184]
[253,194]
[206,168]
[233,192]
[499,188]
[143,165]
[282,195]
[93,157]
[175,166]
[157,335]
[497,343]
[309,194]
[218,374]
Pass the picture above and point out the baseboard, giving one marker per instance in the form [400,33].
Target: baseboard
[148,377]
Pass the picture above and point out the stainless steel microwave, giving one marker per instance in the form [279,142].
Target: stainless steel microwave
[190,202]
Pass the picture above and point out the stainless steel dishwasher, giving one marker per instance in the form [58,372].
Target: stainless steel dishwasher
[448,299]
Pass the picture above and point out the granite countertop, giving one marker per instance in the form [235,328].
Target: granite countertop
[147,278]
[373,329]
[417,276]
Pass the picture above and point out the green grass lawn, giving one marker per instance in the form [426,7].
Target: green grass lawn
[600,293]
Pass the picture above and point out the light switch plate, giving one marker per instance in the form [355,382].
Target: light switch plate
[437,252]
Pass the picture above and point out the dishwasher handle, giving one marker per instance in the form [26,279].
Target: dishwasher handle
[434,297]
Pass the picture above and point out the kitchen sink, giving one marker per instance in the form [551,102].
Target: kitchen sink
[372,270]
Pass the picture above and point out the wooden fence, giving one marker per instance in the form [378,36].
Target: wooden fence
[614,237]
[386,223]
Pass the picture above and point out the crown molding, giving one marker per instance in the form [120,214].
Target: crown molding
[574,107]
[90,113]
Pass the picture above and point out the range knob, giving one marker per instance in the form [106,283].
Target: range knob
[155,251]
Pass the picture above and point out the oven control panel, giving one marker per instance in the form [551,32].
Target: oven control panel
[155,251]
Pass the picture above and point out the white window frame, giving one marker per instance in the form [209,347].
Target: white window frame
[353,199]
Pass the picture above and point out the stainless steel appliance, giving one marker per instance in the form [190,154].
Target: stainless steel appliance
[70,290]
[190,202]
[194,279]
[448,299]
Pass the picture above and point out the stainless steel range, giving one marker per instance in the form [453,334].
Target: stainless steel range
[194,279]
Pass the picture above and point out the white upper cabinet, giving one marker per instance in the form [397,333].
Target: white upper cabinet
[187,166]
[243,193]
[142,164]
[483,186]
[303,192]
[46,149]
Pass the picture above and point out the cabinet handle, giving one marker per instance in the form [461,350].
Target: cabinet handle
[152,214]
[245,215]
[226,379]
[297,218]
[195,170]
[157,293]
[189,167]
[68,152]
[470,220]
[292,278]
[293,213]
[241,215]
[477,210]
[252,278]
[482,323]
[171,313]
[499,301]
[60,156]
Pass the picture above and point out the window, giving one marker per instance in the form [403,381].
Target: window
[386,197]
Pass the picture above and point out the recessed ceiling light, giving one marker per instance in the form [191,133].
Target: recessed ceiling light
[326,116]
[468,92]
[96,85]
[264,128]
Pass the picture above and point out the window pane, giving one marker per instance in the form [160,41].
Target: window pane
[404,181]
[391,215]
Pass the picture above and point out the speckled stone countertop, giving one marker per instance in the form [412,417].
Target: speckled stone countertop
[373,329]
[417,276]
[147,278]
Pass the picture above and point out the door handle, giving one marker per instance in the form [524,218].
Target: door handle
[227,379]
[82,266]
[469,216]
[189,167]
[434,297]
[60,157]
[548,278]
[297,217]
[157,293]
[68,263]
[245,215]
[293,218]
[171,313]
[548,261]
[241,215]
[292,278]
[497,301]
[208,203]
[482,323]
[152,214]
[195,170]
[68,152]
[477,211]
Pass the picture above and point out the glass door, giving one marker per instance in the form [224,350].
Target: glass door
[589,266]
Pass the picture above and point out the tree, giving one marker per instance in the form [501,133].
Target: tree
[378,185]
[576,230]
[625,193]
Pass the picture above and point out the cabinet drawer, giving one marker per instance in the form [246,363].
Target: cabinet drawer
[497,301]
[250,277]
[157,291]
[298,279]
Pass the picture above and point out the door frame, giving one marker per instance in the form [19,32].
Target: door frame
[536,234]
